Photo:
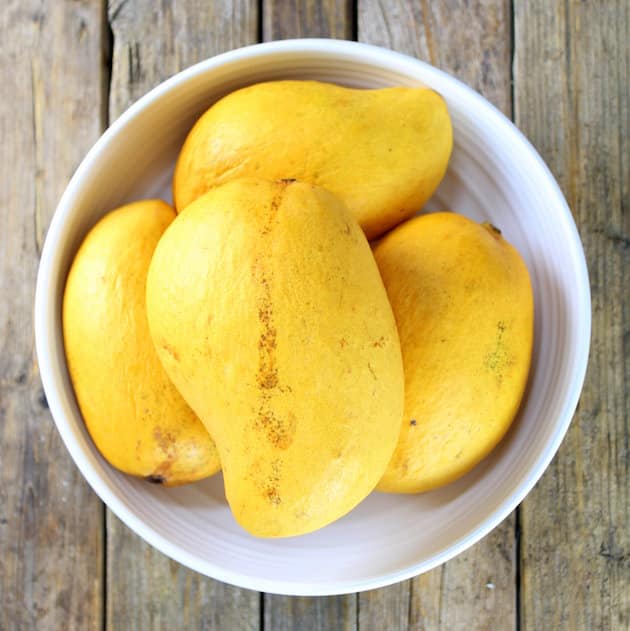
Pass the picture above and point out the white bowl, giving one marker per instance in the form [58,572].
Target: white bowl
[494,175]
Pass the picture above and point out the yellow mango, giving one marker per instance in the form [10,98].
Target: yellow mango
[134,414]
[383,152]
[268,312]
[464,307]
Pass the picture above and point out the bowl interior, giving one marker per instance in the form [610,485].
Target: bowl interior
[494,175]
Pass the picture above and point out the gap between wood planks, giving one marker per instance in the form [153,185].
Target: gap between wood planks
[517,510]
[108,51]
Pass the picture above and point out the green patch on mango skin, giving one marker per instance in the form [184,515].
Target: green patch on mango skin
[499,359]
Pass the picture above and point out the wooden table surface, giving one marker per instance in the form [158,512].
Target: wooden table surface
[559,68]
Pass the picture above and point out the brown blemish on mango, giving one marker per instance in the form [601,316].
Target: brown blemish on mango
[267,376]
[272,495]
[165,441]
[279,432]
[372,371]
[171,351]
[498,360]
[161,473]
[271,491]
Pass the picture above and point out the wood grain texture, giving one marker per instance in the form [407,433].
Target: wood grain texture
[476,590]
[385,608]
[470,39]
[146,590]
[572,99]
[292,613]
[51,523]
[152,41]
[286,19]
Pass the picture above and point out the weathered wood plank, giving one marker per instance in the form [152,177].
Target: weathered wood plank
[472,40]
[285,19]
[425,600]
[572,99]
[146,590]
[386,608]
[51,523]
[152,41]
[287,613]
[478,588]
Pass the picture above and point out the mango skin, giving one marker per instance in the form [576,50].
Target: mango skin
[383,152]
[269,315]
[134,414]
[464,308]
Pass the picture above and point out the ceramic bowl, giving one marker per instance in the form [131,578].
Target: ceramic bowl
[494,175]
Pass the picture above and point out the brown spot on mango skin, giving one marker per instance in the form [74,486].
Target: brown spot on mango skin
[267,376]
[271,491]
[171,351]
[272,495]
[269,380]
[279,432]
[162,474]
[499,360]
[165,441]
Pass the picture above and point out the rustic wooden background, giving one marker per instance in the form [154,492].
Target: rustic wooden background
[559,68]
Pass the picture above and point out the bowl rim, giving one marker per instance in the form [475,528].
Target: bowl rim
[44,331]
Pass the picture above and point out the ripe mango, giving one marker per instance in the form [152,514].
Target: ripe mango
[383,152]
[136,417]
[464,308]
[268,312]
